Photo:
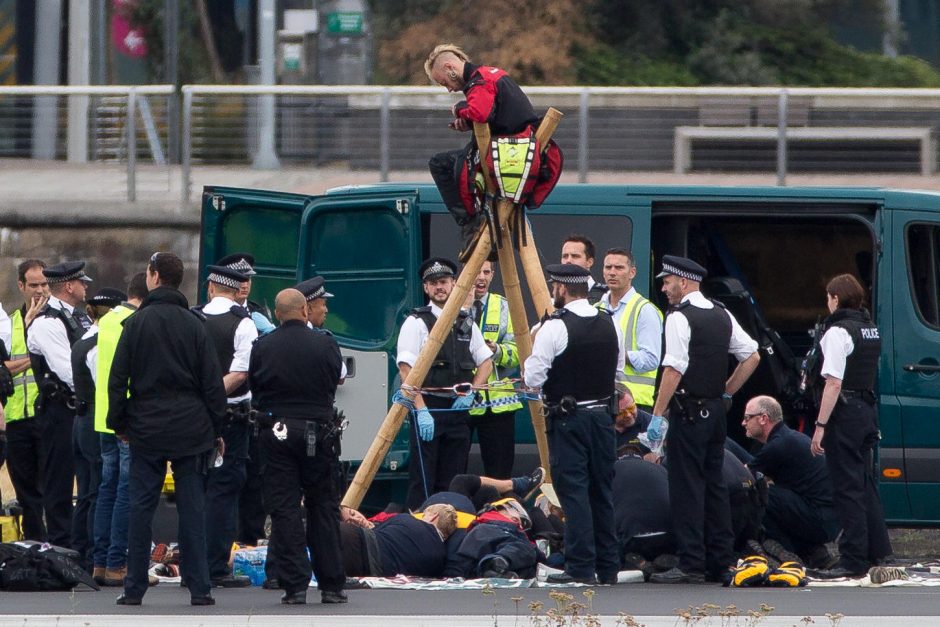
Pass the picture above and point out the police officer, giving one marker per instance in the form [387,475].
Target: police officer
[847,426]
[314,291]
[640,322]
[85,442]
[494,419]
[49,339]
[579,250]
[440,444]
[24,431]
[575,359]
[232,332]
[294,372]
[245,263]
[699,336]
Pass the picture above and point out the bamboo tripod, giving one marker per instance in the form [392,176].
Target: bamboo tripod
[505,216]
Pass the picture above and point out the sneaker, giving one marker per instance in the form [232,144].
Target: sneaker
[884,574]
[495,566]
[159,553]
[526,485]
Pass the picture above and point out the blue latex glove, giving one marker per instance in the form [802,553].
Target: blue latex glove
[655,430]
[463,403]
[425,425]
[261,323]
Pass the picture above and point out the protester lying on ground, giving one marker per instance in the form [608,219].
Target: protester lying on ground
[496,544]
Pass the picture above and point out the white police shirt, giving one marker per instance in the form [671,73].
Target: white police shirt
[48,337]
[836,345]
[552,340]
[6,330]
[414,333]
[245,334]
[678,333]
[91,358]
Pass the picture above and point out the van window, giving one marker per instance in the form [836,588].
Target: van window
[923,256]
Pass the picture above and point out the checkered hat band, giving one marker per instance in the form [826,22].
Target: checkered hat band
[570,279]
[437,268]
[318,294]
[685,274]
[241,265]
[68,277]
[224,280]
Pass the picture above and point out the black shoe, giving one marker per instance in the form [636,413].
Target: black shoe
[675,575]
[565,578]
[294,598]
[779,552]
[469,235]
[524,486]
[607,580]
[206,600]
[271,583]
[822,557]
[495,566]
[353,583]
[126,600]
[665,561]
[231,581]
[840,572]
[330,596]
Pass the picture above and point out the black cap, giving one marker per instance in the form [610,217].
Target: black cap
[682,267]
[108,296]
[229,277]
[567,273]
[436,268]
[243,262]
[313,288]
[66,271]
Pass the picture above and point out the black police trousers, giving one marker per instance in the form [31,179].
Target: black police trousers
[87,455]
[25,463]
[582,455]
[849,439]
[251,513]
[698,496]
[797,524]
[289,473]
[58,471]
[222,492]
[496,434]
[433,464]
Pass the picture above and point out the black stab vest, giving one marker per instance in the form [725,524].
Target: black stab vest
[81,375]
[454,362]
[221,330]
[586,369]
[73,330]
[708,350]
[861,367]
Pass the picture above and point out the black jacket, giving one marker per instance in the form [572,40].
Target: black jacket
[177,401]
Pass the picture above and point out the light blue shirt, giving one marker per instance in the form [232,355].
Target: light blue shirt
[649,333]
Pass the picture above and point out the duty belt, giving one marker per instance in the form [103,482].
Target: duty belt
[866,395]
[238,412]
[567,404]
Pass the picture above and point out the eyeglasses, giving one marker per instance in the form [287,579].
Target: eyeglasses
[749,416]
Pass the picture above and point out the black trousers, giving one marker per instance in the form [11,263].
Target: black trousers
[58,471]
[25,464]
[86,445]
[444,171]
[849,439]
[289,474]
[251,515]
[444,457]
[795,523]
[496,434]
[582,455]
[222,490]
[698,496]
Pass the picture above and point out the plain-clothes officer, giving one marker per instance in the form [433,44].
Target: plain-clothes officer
[847,426]
[575,359]
[799,513]
[579,250]
[24,430]
[494,419]
[440,443]
[86,445]
[640,323]
[700,334]
[49,339]
[232,332]
[294,372]
[165,395]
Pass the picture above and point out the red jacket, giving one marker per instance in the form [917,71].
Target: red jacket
[493,97]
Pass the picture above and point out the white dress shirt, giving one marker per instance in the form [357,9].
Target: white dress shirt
[678,333]
[836,345]
[91,358]
[552,340]
[414,333]
[48,337]
[245,334]
[6,330]
[649,332]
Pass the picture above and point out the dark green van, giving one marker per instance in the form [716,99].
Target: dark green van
[769,252]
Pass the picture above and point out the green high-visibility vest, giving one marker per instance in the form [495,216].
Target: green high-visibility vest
[642,385]
[110,327]
[20,405]
[496,326]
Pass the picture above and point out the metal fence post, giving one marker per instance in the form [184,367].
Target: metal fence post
[583,118]
[187,146]
[131,127]
[782,138]
[385,116]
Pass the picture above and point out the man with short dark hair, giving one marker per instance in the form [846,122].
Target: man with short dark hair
[173,412]
[579,250]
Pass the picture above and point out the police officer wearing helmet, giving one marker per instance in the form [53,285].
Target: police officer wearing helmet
[49,339]
[294,372]
[575,360]
[440,443]
[232,332]
[695,388]
[847,426]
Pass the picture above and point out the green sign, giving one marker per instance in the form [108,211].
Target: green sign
[344,23]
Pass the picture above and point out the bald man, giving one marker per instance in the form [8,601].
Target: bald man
[293,374]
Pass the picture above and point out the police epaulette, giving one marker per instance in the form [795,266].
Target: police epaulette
[240,311]
[322,330]
[421,310]
[717,303]
[197,311]
[261,337]
[681,306]
[253,307]
[558,313]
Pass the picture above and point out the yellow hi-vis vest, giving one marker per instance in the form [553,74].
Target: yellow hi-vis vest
[642,385]
[21,404]
[110,327]
[496,327]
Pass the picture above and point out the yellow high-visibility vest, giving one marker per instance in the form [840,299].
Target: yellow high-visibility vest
[20,405]
[496,327]
[110,327]
[642,385]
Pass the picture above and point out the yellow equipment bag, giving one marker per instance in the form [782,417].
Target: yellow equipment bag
[788,575]
[750,572]
[10,529]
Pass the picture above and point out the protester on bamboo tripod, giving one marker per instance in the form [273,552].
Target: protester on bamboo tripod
[491,97]
[575,360]
[640,322]
[440,443]
[847,426]
[494,419]
[696,390]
